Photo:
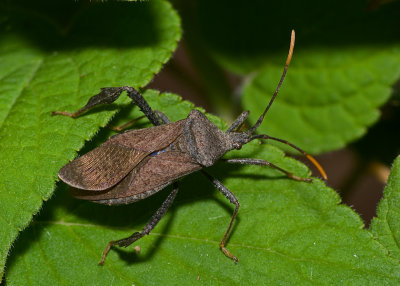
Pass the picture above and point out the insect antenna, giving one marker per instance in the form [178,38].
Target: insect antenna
[308,156]
[261,118]
[289,57]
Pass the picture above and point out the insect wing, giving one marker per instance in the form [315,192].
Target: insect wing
[105,166]
[150,139]
[160,170]
[150,176]
[101,168]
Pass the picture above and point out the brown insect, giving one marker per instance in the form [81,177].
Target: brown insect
[134,165]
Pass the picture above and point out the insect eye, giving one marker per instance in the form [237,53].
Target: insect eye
[237,146]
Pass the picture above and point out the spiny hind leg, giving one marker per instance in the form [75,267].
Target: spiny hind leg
[147,228]
[108,95]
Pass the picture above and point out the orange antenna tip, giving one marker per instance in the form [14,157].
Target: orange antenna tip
[318,166]
[261,118]
[292,40]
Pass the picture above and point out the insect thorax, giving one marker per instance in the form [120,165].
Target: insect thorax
[206,143]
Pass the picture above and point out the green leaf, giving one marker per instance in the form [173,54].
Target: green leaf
[286,233]
[242,37]
[329,97]
[386,227]
[55,58]
[342,70]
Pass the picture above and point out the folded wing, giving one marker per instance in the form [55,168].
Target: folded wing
[151,175]
[105,166]
[102,167]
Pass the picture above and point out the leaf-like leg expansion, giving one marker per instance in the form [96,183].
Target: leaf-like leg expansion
[231,197]
[108,95]
[148,227]
[259,162]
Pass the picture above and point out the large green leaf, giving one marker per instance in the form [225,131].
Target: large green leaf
[329,97]
[54,57]
[286,233]
[345,62]
[243,38]
[386,227]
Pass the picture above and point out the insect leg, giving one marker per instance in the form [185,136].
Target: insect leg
[259,162]
[231,197]
[125,125]
[148,227]
[108,95]
[163,117]
[238,121]
[139,100]
[160,115]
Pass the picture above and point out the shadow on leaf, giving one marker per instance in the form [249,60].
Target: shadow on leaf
[67,25]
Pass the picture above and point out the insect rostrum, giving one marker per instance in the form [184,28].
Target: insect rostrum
[138,163]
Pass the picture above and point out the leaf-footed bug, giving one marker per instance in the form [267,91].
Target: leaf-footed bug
[135,164]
